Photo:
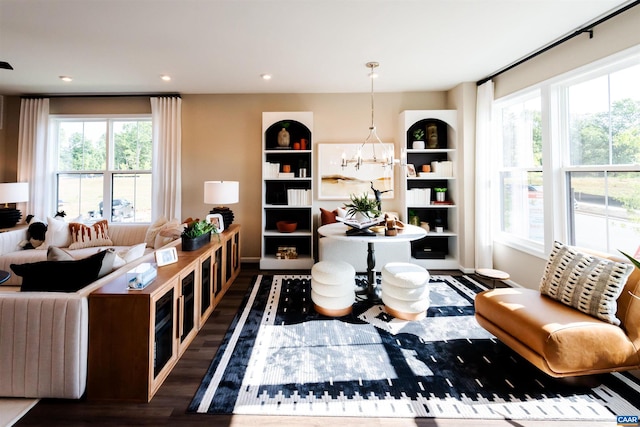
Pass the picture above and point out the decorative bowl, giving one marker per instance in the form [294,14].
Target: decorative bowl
[286,226]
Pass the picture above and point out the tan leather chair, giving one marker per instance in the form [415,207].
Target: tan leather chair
[561,340]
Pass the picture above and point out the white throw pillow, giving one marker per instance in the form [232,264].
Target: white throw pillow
[128,255]
[58,234]
[153,230]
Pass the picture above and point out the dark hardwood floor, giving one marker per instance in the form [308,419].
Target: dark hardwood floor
[168,407]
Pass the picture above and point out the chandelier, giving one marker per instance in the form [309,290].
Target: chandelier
[376,151]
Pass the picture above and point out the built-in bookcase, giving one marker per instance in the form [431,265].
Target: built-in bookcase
[438,250]
[287,191]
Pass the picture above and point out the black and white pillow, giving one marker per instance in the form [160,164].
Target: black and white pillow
[585,282]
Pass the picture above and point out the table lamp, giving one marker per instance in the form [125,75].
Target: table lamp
[12,192]
[222,193]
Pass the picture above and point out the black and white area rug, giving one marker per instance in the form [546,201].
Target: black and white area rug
[280,357]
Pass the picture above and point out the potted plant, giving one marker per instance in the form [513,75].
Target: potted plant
[362,207]
[440,194]
[418,139]
[197,234]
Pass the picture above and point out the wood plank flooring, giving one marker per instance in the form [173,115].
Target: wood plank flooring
[168,407]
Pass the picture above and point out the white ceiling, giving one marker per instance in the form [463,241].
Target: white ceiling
[309,46]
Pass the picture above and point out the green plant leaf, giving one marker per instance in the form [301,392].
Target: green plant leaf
[632,259]
[198,228]
[364,205]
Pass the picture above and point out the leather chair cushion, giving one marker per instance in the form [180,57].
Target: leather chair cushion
[566,338]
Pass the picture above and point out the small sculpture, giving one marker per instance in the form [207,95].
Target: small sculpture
[378,194]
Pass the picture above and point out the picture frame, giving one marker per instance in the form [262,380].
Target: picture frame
[166,256]
[338,183]
[411,171]
[216,219]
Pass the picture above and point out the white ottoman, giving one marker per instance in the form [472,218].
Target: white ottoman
[405,290]
[333,289]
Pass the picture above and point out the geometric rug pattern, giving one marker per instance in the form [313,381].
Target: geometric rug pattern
[280,357]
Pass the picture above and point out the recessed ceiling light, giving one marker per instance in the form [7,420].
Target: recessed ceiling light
[66,78]
[165,77]
[265,76]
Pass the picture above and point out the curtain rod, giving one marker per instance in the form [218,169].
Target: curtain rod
[588,28]
[103,95]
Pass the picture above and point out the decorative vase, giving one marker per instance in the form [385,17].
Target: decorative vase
[418,145]
[283,138]
[432,136]
[360,217]
[191,244]
[414,220]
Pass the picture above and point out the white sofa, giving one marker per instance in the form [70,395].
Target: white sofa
[44,335]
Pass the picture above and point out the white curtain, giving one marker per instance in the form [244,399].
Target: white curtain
[167,142]
[484,170]
[36,158]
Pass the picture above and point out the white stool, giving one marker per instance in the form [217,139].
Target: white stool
[405,290]
[333,287]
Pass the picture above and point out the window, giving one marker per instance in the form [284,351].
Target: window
[591,137]
[520,168]
[602,168]
[104,162]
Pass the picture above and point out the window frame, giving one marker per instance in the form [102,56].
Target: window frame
[109,172]
[555,150]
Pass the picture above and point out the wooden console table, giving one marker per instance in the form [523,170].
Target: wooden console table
[137,336]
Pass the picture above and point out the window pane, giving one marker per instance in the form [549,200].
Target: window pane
[625,115]
[522,134]
[606,211]
[604,119]
[80,194]
[81,145]
[132,141]
[522,204]
[131,197]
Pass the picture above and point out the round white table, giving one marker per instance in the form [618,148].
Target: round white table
[339,231]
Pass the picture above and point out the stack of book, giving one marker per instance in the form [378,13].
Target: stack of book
[419,197]
[271,170]
[298,197]
[444,168]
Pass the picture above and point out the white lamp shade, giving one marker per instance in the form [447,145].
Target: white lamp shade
[221,192]
[14,192]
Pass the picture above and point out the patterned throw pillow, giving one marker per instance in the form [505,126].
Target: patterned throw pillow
[587,283]
[85,236]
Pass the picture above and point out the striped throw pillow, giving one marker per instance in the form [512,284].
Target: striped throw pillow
[585,282]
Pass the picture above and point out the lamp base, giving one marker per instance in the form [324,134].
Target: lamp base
[9,217]
[227,214]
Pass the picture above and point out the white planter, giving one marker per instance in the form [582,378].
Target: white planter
[440,196]
[418,145]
